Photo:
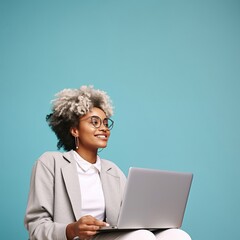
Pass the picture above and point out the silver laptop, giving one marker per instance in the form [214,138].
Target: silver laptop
[153,199]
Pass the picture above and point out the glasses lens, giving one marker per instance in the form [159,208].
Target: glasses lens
[108,123]
[96,121]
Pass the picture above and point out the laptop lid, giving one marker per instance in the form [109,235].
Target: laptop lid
[154,199]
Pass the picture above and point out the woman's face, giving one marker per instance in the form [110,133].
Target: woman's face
[91,131]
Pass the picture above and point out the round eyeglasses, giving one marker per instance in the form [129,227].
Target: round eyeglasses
[97,122]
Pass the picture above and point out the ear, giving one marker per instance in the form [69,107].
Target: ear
[74,131]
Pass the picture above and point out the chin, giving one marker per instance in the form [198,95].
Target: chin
[103,146]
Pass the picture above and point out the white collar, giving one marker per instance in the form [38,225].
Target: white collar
[84,164]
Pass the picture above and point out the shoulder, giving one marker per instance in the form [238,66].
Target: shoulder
[111,168]
[49,157]
[109,164]
[53,160]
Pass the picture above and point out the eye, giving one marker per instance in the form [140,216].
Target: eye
[106,122]
[95,121]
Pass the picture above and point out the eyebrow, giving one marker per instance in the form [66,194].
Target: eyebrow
[97,116]
[94,116]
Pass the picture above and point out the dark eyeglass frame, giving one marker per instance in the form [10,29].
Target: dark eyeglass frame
[107,122]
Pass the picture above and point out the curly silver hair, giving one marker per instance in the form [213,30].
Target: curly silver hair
[71,104]
[80,101]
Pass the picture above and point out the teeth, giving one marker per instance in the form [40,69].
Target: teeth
[101,136]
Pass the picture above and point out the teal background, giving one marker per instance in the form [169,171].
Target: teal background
[172,69]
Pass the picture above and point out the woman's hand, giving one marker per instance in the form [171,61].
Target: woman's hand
[84,228]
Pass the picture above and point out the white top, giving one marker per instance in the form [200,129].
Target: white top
[93,202]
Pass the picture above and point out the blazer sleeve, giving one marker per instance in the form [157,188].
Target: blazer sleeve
[39,213]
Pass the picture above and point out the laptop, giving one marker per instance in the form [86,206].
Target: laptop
[153,199]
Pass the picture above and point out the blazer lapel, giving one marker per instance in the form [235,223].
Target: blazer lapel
[71,180]
[112,193]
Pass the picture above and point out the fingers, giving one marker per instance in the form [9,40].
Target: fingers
[91,221]
[88,226]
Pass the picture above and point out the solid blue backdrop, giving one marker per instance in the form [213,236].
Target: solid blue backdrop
[172,69]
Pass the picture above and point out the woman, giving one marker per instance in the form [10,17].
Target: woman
[74,193]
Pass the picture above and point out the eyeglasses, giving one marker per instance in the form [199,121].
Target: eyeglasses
[97,122]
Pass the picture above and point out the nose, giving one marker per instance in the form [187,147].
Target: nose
[103,127]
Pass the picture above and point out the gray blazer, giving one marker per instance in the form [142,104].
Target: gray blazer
[55,197]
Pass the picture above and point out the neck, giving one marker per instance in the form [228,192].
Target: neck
[90,156]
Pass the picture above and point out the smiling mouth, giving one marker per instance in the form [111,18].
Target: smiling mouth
[102,136]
